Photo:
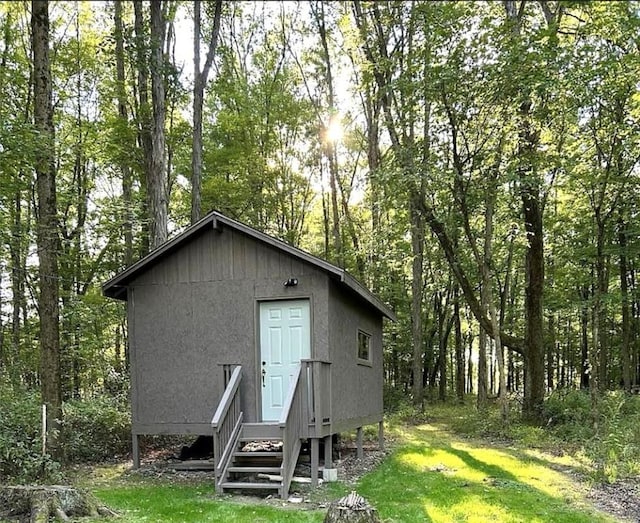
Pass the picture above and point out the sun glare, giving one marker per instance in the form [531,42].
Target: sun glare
[334,130]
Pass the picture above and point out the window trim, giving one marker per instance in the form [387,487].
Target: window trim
[362,361]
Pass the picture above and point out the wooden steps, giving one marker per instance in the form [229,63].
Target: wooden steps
[258,454]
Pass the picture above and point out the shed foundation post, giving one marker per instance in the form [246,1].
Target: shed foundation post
[328,452]
[314,462]
[135,447]
[360,452]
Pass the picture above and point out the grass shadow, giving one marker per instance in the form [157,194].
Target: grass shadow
[441,481]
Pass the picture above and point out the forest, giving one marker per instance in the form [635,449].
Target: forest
[475,164]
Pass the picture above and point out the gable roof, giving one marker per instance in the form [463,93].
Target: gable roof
[116,287]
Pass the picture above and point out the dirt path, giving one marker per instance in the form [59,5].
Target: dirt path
[622,499]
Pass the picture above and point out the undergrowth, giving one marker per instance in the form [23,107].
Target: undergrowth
[93,430]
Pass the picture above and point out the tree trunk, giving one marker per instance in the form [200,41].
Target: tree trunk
[18,276]
[624,291]
[157,174]
[551,356]
[38,504]
[200,81]
[459,349]
[487,263]
[351,509]
[469,380]
[482,371]
[534,320]
[602,287]
[143,115]
[584,338]
[47,231]
[127,181]
[417,251]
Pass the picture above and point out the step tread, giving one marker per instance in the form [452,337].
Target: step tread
[234,484]
[265,470]
[261,438]
[259,454]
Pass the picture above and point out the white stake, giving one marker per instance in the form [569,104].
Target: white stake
[44,430]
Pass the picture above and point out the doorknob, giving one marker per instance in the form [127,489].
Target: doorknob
[264,373]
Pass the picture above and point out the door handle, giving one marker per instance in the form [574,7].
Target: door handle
[264,373]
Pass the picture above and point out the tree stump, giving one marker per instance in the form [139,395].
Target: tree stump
[352,509]
[37,504]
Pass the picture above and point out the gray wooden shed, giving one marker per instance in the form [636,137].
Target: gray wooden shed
[235,333]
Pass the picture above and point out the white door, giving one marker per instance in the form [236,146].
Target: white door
[285,339]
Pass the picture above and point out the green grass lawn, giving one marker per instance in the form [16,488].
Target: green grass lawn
[194,503]
[430,475]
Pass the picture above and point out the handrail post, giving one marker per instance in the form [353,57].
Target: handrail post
[226,425]
[317,398]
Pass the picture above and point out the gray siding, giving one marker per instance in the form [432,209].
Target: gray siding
[197,309]
[357,388]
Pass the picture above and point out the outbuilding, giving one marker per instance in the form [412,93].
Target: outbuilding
[237,334]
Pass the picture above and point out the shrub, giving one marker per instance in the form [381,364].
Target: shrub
[92,430]
[608,436]
[96,429]
[21,458]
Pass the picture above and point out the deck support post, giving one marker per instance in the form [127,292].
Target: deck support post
[381,435]
[359,439]
[315,454]
[135,447]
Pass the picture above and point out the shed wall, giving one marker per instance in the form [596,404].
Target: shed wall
[197,309]
[357,387]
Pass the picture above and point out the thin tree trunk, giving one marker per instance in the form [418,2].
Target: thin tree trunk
[489,301]
[157,174]
[584,339]
[459,348]
[551,356]
[200,81]
[47,230]
[469,380]
[602,283]
[482,371]
[143,115]
[127,181]
[18,275]
[417,286]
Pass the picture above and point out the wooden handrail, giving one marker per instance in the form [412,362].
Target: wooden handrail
[286,408]
[226,424]
[291,427]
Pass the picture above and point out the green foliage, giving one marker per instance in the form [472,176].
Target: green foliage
[605,433]
[96,429]
[614,446]
[21,458]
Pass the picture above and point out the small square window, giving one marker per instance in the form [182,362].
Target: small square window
[364,347]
